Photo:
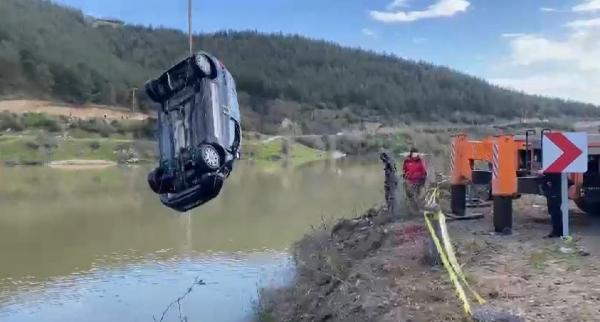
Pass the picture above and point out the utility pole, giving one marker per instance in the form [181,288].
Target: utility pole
[133,99]
[190,27]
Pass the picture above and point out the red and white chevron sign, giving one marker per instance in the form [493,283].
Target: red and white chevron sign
[565,152]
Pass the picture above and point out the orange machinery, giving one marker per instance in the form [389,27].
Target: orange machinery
[513,167]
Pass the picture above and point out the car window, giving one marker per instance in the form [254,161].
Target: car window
[233,105]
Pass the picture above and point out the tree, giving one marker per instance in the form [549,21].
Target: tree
[62,54]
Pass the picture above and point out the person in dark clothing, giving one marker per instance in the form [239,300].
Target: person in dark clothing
[552,190]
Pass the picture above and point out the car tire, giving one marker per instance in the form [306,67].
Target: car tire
[150,90]
[154,181]
[206,66]
[158,182]
[210,157]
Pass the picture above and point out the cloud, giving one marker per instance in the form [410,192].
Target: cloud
[419,40]
[584,23]
[442,8]
[565,66]
[581,87]
[398,4]
[580,49]
[587,6]
[548,9]
[369,33]
[512,35]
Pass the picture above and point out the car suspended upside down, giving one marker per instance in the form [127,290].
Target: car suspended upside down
[199,131]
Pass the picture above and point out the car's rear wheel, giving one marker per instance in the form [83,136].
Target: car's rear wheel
[210,157]
[206,66]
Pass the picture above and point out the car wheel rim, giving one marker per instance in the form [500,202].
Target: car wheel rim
[211,157]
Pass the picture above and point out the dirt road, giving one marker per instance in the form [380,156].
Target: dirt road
[529,274]
[77,111]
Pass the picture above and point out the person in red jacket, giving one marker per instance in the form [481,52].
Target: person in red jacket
[414,173]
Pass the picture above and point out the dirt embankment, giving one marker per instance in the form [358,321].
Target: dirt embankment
[81,164]
[76,111]
[372,269]
[366,269]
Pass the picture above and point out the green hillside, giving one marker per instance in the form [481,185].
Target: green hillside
[322,87]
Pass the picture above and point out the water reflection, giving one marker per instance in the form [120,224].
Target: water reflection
[135,292]
[74,243]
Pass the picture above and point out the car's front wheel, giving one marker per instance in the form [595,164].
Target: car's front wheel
[159,182]
[151,91]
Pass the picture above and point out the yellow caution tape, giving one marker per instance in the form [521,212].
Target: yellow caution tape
[459,289]
[431,197]
[452,257]
[449,260]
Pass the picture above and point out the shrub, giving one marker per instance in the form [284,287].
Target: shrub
[32,144]
[9,121]
[146,130]
[312,142]
[41,121]
[95,126]
[118,127]
[45,140]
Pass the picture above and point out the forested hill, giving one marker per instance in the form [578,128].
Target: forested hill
[56,52]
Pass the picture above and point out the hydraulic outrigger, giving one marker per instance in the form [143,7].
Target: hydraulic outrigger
[512,167]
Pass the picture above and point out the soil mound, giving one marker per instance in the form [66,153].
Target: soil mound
[365,269]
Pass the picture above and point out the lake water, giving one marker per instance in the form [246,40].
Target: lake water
[97,245]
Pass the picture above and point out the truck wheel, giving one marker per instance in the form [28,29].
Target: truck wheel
[588,207]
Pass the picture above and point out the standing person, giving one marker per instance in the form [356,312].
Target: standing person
[552,190]
[414,173]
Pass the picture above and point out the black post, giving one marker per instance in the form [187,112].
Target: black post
[432,256]
[458,199]
[390,184]
[503,215]
[544,131]
[528,150]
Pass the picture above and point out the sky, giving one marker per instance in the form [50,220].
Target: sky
[546,47]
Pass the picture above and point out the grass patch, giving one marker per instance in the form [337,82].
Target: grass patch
[30,148]
[18,150]
[539,259]
[271,152]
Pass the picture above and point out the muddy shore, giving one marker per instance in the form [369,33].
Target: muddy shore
[372,269]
